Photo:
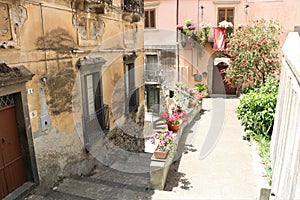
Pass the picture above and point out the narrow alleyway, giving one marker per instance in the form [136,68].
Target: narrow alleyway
[214,162]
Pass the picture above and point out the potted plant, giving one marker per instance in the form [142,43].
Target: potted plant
[228,26]
[165,140]
[174,118]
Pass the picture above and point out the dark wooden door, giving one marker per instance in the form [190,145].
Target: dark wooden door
[219,84]
[12,172]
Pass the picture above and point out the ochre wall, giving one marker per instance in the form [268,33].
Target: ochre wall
[60,149]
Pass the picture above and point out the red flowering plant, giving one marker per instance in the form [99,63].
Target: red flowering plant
[164,139]
[254,54]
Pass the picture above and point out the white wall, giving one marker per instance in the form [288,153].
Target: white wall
[285,145]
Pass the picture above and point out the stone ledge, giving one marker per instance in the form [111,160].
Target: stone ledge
[159,169]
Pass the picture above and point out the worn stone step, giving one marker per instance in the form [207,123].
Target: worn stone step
[139,180]
[54,195]
[91,188]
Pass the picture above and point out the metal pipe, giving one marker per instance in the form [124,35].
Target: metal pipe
[106,50]
[44,42]
[177,42]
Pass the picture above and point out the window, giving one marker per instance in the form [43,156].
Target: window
[151,62]
[150,18]
[151,72]
[226,14]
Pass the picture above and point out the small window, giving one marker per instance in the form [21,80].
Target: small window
[150,18]
[226,14]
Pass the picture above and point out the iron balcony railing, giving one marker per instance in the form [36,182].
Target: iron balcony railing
[153,76]
[94,6]
[136,6]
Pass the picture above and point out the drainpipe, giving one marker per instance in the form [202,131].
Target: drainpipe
[177,42]
[44,43]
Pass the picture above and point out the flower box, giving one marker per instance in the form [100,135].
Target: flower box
[159,154]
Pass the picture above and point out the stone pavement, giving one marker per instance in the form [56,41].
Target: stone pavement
[216,162]
[213,162]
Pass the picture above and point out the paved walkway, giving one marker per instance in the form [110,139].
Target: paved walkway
[216,163]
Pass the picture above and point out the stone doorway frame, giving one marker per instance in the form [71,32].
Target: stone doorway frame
[16,86]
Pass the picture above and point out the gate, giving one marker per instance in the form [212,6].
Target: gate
[12,172]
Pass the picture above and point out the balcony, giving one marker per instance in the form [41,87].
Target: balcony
[153,77]
[135,6]
[93,6]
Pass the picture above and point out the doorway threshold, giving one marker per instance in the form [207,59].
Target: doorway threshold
[21,191]
[226,96]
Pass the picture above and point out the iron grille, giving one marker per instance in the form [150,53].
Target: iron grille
[6,101]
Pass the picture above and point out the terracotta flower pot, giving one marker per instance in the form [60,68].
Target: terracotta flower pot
[159,154]
[174,127]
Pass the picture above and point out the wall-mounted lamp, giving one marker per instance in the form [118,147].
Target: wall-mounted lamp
[202,8]
[246,9]
[204,74]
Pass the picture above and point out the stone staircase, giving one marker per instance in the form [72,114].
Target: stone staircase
[103,183]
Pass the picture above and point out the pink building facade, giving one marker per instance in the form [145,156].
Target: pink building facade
[189,63]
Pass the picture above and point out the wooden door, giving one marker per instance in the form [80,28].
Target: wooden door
[12,172]
[219,84]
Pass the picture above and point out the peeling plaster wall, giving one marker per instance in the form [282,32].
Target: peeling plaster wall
[13,17]
[46,35]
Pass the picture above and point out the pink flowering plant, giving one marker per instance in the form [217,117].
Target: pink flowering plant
[189,29]
[164,139]
[176,116]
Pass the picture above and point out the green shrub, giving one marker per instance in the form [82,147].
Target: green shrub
[257,108]
[256,111]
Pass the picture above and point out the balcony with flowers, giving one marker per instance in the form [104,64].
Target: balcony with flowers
[190,32]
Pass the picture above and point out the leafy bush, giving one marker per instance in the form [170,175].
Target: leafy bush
[257,108]
[256,111]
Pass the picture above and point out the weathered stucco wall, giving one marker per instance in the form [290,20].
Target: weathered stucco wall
[49,31]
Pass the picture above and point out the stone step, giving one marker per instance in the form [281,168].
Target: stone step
[92,188]
[139,180]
